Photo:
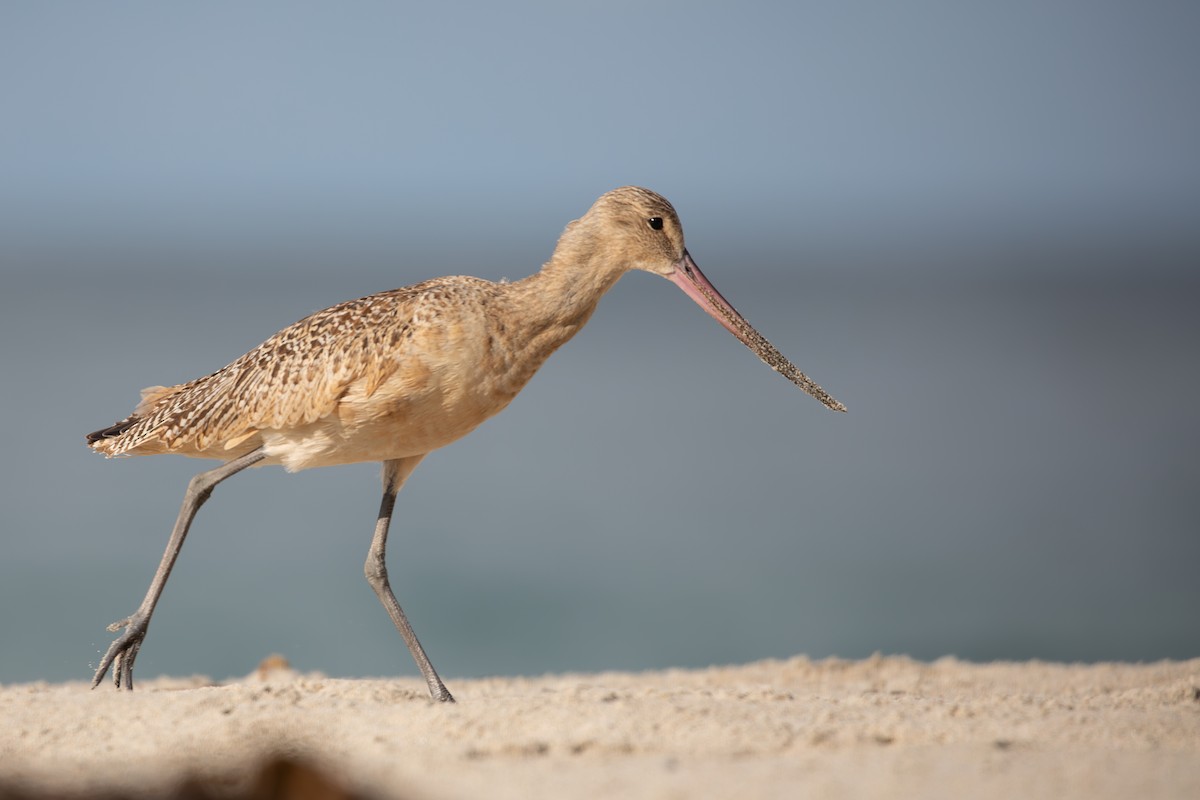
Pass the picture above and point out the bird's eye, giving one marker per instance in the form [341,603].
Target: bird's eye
[655,223]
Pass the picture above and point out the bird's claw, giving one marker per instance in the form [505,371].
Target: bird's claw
[122,652]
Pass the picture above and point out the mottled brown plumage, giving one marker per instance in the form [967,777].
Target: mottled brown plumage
[396,375]
[326,370]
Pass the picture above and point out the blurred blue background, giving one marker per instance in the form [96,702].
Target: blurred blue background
[976,224]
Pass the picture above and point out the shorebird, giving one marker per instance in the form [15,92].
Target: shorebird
[396,375]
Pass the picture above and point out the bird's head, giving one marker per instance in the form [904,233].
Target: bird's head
[635,228]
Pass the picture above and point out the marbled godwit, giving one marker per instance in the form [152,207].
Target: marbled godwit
[396,375]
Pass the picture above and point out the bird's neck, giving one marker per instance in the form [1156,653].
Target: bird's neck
[548,308]
[559,299]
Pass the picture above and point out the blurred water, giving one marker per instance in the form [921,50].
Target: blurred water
[1016,478]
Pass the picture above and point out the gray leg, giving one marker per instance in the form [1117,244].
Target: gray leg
[394,475]
[123,652]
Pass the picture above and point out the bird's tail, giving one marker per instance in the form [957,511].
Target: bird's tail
[111,432]
[107,440]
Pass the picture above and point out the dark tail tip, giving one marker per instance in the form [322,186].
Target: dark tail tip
[112,431]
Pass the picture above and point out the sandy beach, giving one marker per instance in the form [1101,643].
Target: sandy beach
[883,727]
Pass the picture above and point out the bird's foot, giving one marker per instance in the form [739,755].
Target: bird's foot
[123,651]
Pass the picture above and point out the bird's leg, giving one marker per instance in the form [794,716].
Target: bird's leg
[395,473]
[123,652]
